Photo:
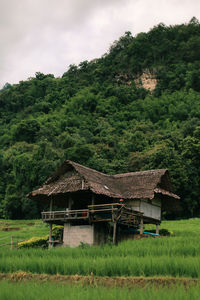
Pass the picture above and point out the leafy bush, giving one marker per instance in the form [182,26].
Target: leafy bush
[42,242]
[35,242]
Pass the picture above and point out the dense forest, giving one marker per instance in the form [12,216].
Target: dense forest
[100,114]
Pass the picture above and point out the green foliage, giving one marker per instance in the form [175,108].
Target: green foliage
[35,242]
[57,231]
[42,242]
[21,230]
[26,131]
[98,116]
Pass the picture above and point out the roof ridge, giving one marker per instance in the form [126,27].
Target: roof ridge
[140,173]
[74,164]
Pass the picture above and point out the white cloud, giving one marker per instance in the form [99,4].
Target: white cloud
[48,35]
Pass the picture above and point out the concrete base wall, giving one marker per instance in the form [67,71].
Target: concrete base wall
[74,235]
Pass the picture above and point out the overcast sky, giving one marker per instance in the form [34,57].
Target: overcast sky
[48,35]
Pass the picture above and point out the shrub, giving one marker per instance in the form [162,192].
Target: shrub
[42,242]
[35,242]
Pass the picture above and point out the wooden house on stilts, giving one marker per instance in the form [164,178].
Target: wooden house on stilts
[85,201]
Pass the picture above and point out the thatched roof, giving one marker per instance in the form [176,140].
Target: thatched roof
[72,177]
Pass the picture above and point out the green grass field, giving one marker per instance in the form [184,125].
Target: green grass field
[176,256]
[48,291]
[20,230]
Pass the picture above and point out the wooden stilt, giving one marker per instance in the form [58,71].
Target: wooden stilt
[141,226]
[50,235]
[92,199]
[70,202]
[157,228]
[115,233]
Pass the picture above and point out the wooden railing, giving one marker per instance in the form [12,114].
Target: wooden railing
[10,241]
[115,212]
[104,212]
[65,215]
[112,212]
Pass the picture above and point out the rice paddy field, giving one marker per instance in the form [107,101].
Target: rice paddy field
[176,257]
[20,230]
[47,291]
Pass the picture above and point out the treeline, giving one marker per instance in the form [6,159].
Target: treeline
[100,115]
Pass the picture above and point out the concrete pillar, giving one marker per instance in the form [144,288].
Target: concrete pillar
[66,234]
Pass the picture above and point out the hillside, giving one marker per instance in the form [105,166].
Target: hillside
[135,108]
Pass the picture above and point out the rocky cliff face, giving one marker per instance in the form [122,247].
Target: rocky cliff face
[147,80]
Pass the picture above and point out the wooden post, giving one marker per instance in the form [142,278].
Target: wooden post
[51,204]
[11,243]
[115,233]
[82,184]
[70,203]
[92,199]
[141,226]
[157,228]
[50,235]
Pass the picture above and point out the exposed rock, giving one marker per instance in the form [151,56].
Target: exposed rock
[147,80]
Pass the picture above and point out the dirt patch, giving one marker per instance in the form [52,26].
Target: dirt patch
[130,282]
[10,228]
[7,224]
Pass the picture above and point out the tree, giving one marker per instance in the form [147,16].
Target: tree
[27,131]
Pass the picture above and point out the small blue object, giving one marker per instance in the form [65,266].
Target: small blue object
[131,230]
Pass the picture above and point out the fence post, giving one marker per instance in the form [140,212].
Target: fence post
[11,243]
